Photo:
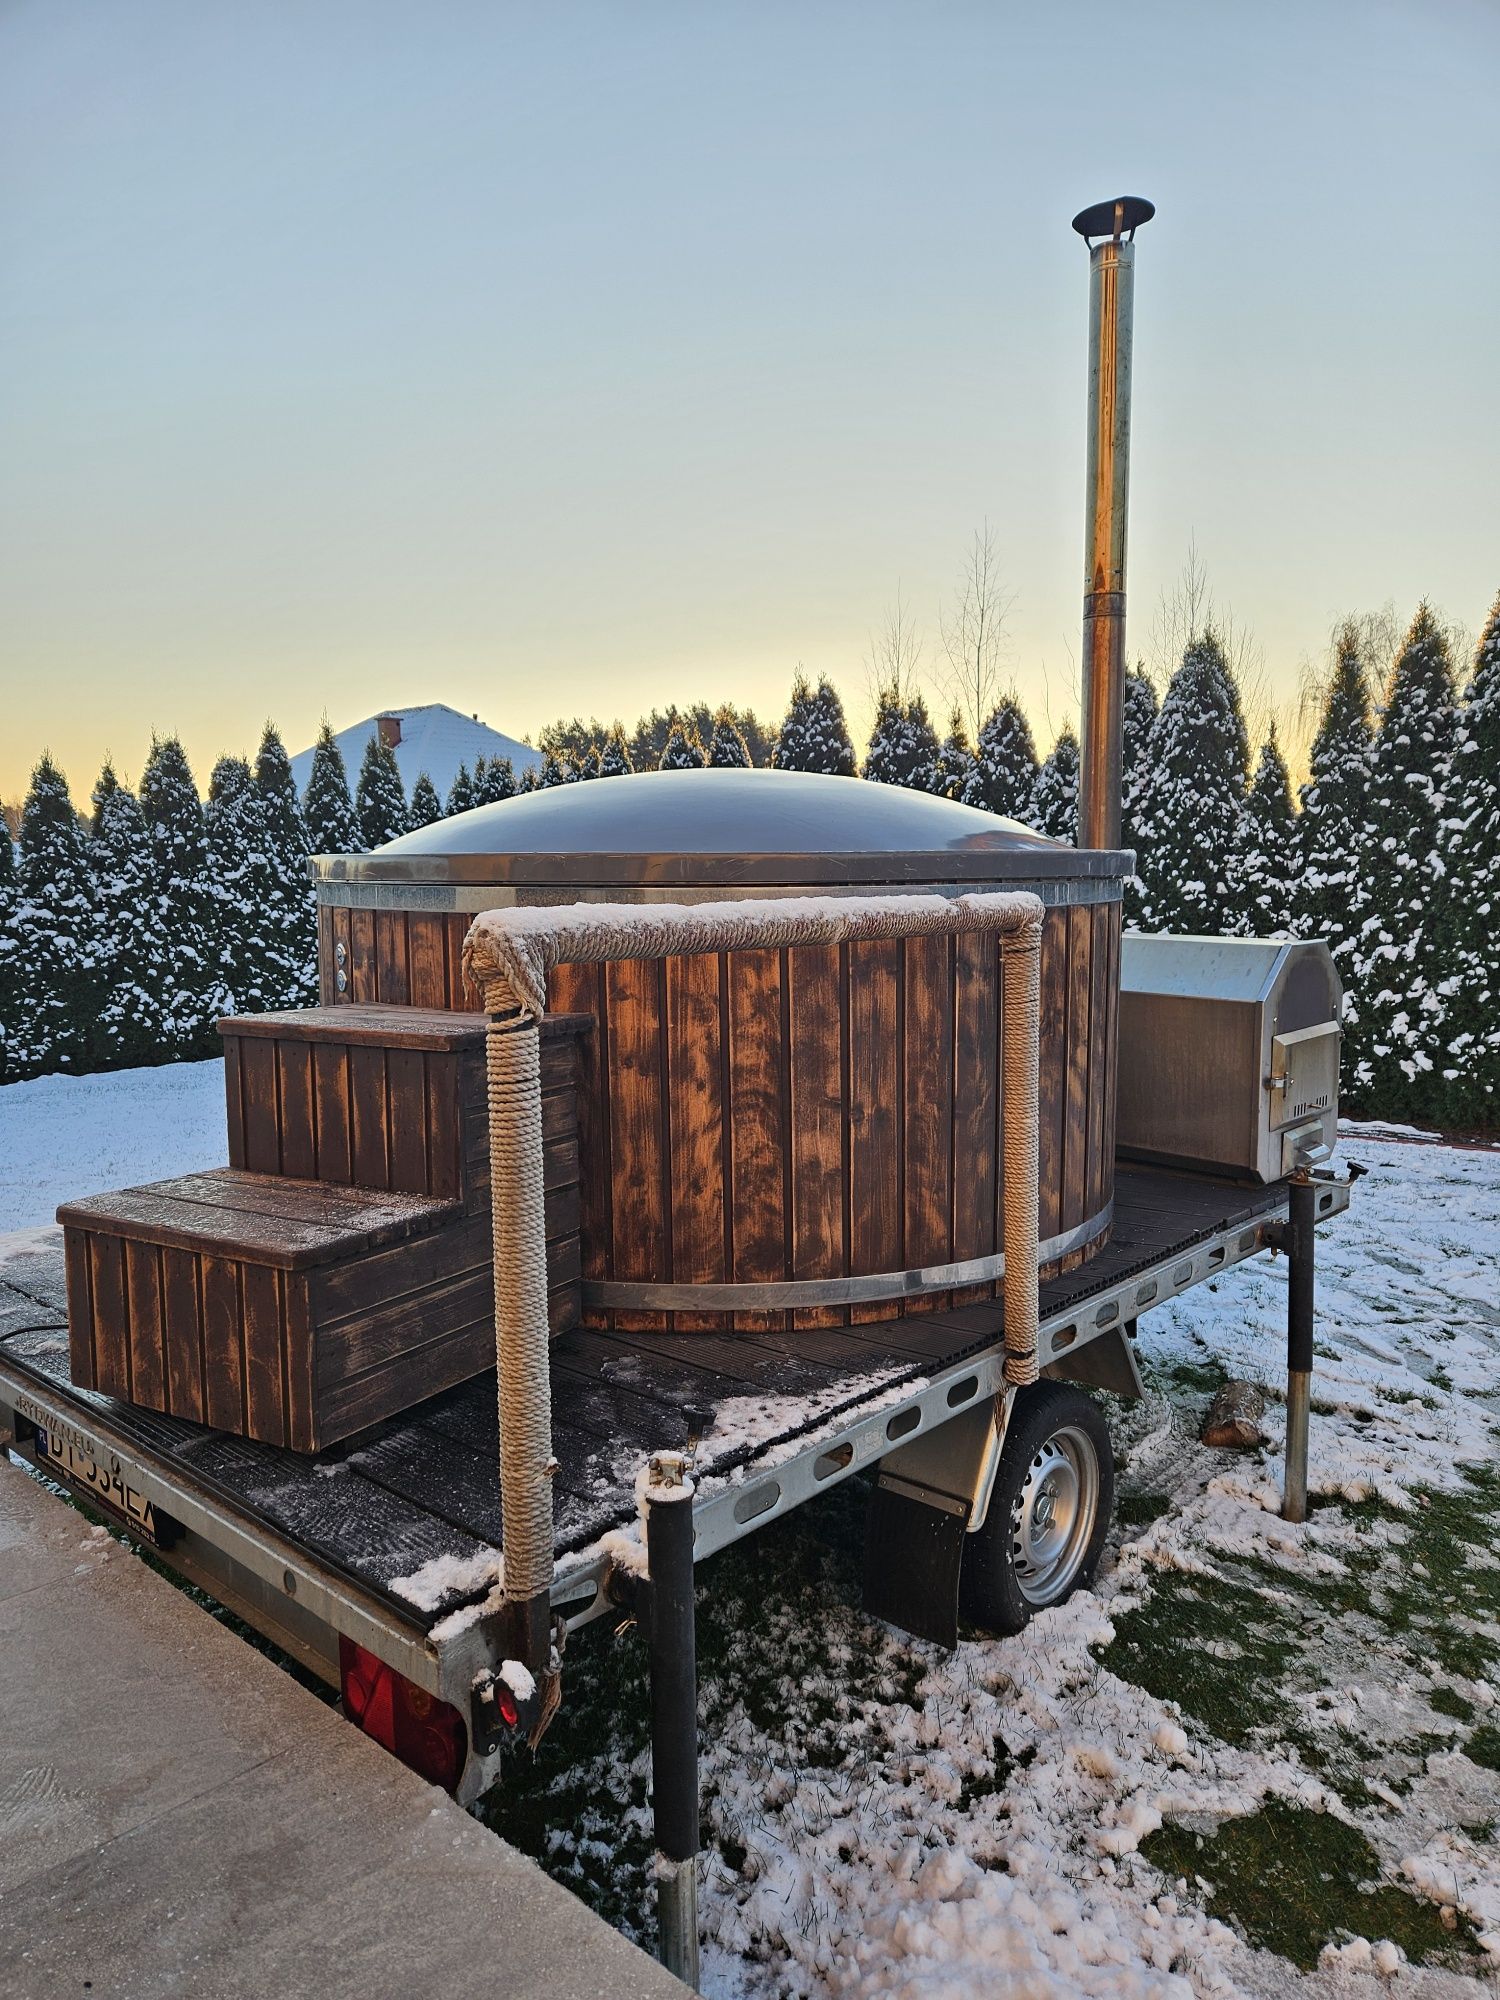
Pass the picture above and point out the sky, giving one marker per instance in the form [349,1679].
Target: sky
[578,359]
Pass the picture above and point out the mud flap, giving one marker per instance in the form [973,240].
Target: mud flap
[913,1548]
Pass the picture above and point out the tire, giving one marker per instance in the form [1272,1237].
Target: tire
[1048,1514]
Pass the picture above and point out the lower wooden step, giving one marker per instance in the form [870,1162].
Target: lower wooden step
[287,1311]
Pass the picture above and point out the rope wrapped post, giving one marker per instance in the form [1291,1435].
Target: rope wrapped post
[524,1384]
[1021,978]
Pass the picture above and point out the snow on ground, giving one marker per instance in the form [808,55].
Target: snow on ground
[66,1136]
[1256,1760]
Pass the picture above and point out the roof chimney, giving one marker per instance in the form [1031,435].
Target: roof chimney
[390,730]
[1111,312]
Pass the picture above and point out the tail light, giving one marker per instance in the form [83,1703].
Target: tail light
[426,1734]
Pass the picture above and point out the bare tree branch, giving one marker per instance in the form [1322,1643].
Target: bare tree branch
[974,632]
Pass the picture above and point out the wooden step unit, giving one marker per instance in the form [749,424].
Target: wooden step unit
[340,1269]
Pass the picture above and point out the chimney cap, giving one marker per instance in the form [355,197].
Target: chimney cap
[1124,214]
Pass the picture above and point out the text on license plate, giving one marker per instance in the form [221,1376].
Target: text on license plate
[69,1454]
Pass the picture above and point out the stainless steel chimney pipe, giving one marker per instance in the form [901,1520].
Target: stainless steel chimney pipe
[1111,314]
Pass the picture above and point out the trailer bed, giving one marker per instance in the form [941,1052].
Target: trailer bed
[388,1536]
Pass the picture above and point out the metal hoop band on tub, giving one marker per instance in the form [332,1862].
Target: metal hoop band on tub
[780,1293]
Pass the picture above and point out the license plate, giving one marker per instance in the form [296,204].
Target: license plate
[74,1459]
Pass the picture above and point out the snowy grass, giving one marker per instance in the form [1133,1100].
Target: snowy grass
[1256,1760]
[66,1136]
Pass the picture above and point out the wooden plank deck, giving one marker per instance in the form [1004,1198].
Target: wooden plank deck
[424,1485]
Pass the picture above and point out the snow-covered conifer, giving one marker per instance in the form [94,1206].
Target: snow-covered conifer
[288,931]
[1331,891]
[10,994]
[461,797]
[1190,815]
[955,760]
[57,994]
[1003,776]
[559,767]
[814,735]
[727,749]
[903,743]
[494,779]
[1270,856]
[1054,799]
[128,952]
[380,797]
[590,764]
[528,781]
[181,903]
[426,806]
[242,877]
[614,756]
[332,825]
[682,752]
[1397,972]
[1470,942]
[1141,710]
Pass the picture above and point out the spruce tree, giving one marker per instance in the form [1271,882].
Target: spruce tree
[1054,799]
[288,931]
[181,902]
[955,760]
[426,806]
[242,878]
[57,995]
[727,749]
[814,735]
[1003,776]
[129,953]
[1270,846]
[10,969]
[1141,710]
[380,797]
[332,825]
[903,743]
[1397,964]
[590,764]
[529,780]
[1470,931]
[559,767]
[461,794]
[494,779]
[681,752]
[1332,892]
[1191,812]
[614,757]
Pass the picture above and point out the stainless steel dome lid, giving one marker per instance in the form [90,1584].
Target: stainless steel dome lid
[735,828]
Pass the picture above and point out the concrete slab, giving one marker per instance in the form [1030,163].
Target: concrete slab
[178,1817]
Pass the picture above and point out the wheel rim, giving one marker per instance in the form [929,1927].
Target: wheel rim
[1052,1521]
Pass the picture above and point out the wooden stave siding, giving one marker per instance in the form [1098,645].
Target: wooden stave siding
[875,1190]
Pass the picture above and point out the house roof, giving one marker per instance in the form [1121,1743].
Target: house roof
[434,738]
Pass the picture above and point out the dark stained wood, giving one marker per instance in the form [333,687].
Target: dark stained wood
[223,1346]
[1076,1100]
[111,1328]
[339,934]
[818,1174]
[295,1093]
[406,1096]
[874,1122]
[927,1101]
[1099,962]
[184,1336]
[445,1162]
[145,1330]
[258,1095]
[462,997]
[637,1149]
[696,1069]
[1110,1062]
[580,990]
[261,1295]
[326,994]
[1052,1071]
[378,1026]
[234,1110]
[80,1309]
[335,1150]
[760,1124]
[300,1362]
[427,959]
[363,978]
[976,1102]
[367,1104]
[392,977]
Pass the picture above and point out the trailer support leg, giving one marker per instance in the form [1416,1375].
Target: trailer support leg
[1299,1240]
[674,1712]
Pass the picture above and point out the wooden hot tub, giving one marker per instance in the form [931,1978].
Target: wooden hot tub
[820,1124]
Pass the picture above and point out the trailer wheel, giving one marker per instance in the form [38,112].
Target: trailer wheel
[1049,1512]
